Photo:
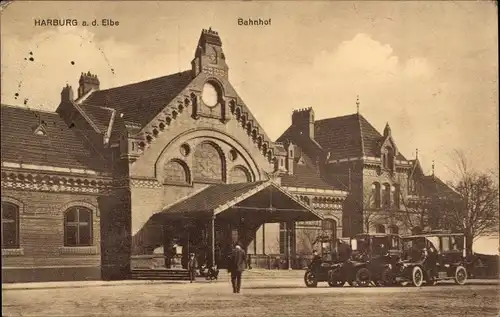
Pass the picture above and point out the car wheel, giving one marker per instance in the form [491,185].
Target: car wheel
[460,275]
[417,276]
[334,278]
[310,279]
[363,278]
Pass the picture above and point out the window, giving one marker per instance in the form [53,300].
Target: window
[208,164]
[176,172]
[386,195]
[390,158]
[446,243]
[376,195]
[78,227]
[394,229]
[379,229]
[329,227]
[10,226]
[397,196]
[239,174]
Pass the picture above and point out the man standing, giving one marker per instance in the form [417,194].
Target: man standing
[192,265]
[237,264]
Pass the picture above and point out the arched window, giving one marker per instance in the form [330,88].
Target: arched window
[239,174]
[78,227]
[390,158]
[208,163]
[386,195]
[379,228]
[329,227]
[10,226]
[394,229]
[397,196]
[375,199]
[176,172]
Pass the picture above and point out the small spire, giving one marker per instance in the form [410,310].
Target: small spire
[387,130]
[357,104]
[432,167]
[416,153]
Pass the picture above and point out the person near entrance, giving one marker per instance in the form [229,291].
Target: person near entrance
[237,264]
[192,265]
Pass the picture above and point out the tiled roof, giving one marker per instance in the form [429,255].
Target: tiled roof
[99,116]
[344,137]
[433,185]
[60,147]
[140,102]
[305,176]
[214,197]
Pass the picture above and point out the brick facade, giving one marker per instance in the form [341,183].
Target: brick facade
[130,153]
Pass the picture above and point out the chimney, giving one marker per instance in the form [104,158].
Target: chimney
[87,82]
[67,94]
[290,156]
[303,119]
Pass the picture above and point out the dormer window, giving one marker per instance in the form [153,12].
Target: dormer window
[40,129]
[388,158]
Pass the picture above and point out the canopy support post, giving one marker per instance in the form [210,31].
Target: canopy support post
[212,239]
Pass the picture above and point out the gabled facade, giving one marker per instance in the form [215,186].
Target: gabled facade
[350,154]
[91,191]
[112,179]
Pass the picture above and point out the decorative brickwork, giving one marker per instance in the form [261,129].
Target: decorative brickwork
[208,163]
[239,174]
[51,183]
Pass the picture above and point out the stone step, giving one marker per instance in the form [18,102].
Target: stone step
[152,274]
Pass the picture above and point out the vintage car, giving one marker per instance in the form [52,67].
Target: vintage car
[374,255]
[432,257]
[321,270]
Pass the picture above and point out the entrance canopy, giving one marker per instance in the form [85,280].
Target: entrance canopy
[264,200]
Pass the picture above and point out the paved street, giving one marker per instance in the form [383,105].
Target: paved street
[278,297]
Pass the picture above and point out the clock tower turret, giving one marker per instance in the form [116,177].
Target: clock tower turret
[209,57]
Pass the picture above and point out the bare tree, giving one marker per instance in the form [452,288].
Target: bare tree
[475,208]
[306,239]
[372,211]
[423,212]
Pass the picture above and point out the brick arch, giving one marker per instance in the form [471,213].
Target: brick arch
[217,84]
[14,201]
[79,203]
[253,158]
[208,158]
[182,165]
[234,175]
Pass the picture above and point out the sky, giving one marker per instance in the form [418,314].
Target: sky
[429,69]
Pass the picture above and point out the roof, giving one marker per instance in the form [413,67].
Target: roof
[343,137]
[218,197]
[212,197]
[423,235]
[140,102]
[60,147]
[100,116]
[305,176]
[433,185]
[349,136]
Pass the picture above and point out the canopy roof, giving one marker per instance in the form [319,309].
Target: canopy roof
[264,198]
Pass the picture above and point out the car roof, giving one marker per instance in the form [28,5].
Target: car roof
[376,234]
[423,235]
